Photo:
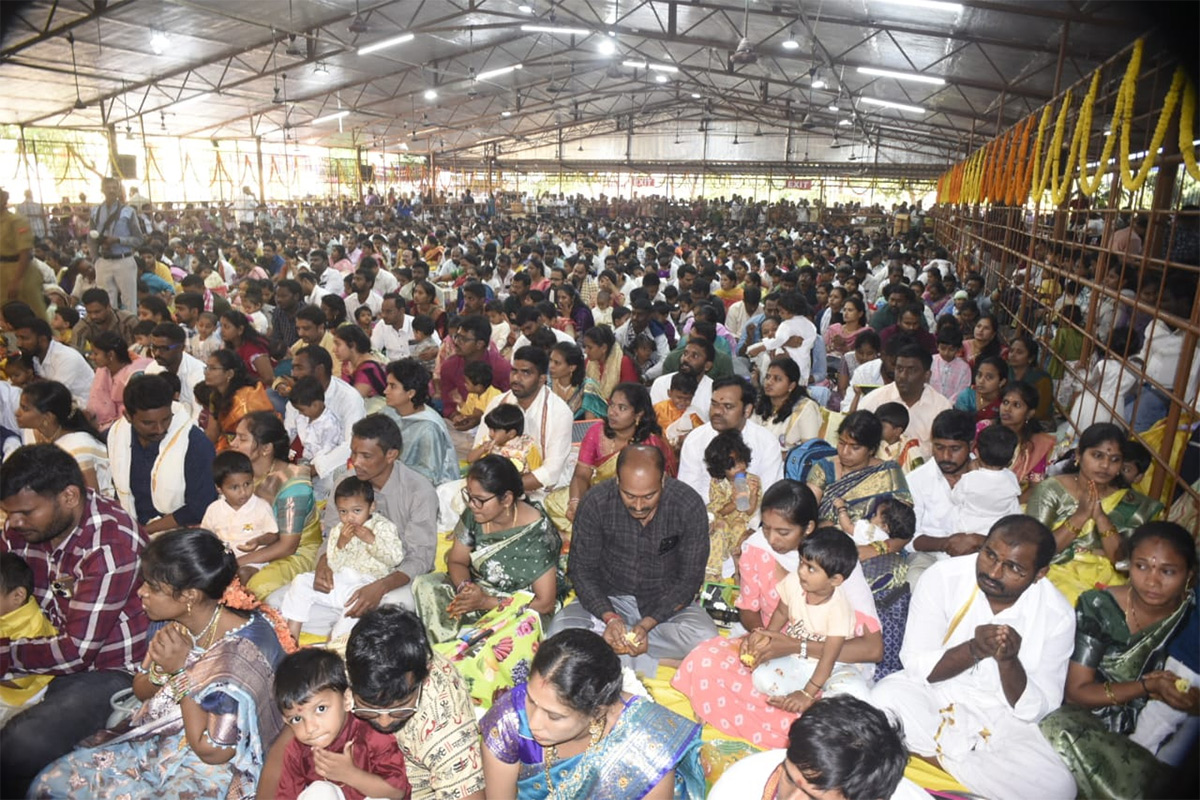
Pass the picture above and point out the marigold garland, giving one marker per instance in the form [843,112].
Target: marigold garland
[1018,186]
[1050,168]
[1187,113]
[1132,181]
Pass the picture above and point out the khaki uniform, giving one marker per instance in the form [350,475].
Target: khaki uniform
[16,237]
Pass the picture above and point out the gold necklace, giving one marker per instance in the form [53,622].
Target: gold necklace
[571,786]
[1132,617]
[209,630]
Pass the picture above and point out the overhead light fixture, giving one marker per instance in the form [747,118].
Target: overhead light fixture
[607,47]
[871,101]
[496,73]
[818,84]
[321,68]
[345,112]
[790,43]
[556,29]
[660,78]
[525,9]
[932,5]
[834,107]
[695,95]
[902,76]
[506,113]
[845,123]
[647,65]
[159,42]
[403,145]
[431,94]
[382,44]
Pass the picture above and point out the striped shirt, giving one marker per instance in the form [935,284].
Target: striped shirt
[96,608]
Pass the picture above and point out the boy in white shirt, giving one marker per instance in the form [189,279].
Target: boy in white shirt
[239,517]
[990,489]
[317,428]
[796,335]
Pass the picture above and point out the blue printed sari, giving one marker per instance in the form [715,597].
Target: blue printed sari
[647,742]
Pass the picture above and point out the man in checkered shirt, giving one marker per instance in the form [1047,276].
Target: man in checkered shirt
[84,550]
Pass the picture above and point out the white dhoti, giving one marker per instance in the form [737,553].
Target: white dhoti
[988,750]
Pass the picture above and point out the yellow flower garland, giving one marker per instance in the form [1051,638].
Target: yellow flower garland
[1086,185]
[1187,112]
[1132,181]
[1053,155]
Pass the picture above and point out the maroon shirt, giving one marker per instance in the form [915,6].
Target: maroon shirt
[373,752]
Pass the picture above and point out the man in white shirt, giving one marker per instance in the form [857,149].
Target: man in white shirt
[529,321]
[937,536]
[167,345]
[911,387]
[54,360]
[548,420]
[340,397]
[331,280]
[742,310]
[697,359]
[393,332]
[731,407]
[364,294]
[985,659]
[1162,353]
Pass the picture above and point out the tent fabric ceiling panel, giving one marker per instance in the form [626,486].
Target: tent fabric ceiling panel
[229,61]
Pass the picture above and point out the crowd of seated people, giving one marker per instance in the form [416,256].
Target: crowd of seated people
[395,499]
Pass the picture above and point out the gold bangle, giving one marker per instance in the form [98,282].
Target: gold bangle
[1108,692]
[1074,531]
[806,694]
[880,547]
[1110,532]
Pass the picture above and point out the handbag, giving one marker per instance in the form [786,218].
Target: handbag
[495,653]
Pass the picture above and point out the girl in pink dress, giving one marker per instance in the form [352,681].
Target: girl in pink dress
[719,686]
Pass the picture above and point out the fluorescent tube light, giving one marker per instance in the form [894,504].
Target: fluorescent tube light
[932,5]
[647,65]
[555,29]
[385,43]
[496,73]
[902,76]
[871,101]
[331,117]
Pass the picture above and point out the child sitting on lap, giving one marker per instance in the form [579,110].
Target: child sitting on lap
[726,457]
[506,437]
[239,517]
[314,697]
[363,547]
[20,618]
[812,607]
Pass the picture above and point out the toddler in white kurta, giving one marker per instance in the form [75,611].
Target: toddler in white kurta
[239,517]
[362,548]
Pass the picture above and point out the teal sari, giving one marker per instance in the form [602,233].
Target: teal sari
[647,742]
[859,489]
[1095,744]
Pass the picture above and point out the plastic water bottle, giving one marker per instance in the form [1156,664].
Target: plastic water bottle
[741,492]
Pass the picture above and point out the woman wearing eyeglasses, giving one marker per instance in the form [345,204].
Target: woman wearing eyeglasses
[233,393]
[205,686]
[503,545]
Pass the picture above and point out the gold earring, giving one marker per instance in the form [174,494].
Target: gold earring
[189,608]
[596,729]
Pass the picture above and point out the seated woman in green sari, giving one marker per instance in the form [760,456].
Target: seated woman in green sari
[1089,512]
[571,732]
[1122,635]
[630,419]
[502,545]
[850,483]
[288,487]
